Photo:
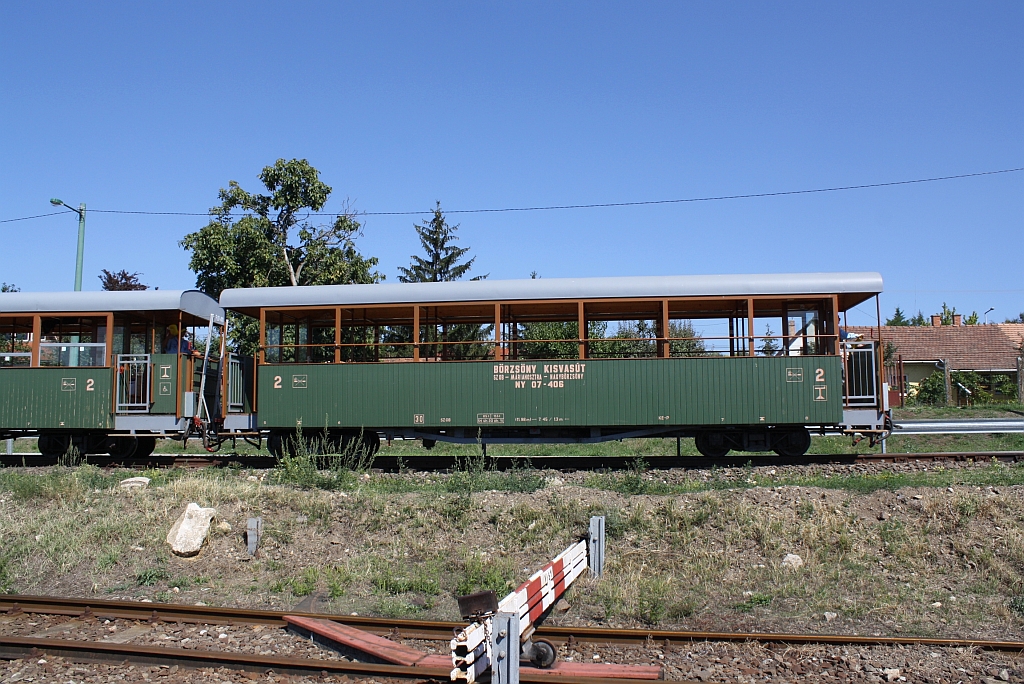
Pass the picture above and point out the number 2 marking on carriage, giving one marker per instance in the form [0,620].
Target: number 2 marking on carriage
[277,382]
[90,385]
[819,375]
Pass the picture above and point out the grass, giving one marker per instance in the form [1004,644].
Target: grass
[698,546]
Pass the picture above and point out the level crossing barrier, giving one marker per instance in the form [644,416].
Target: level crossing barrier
[500,634]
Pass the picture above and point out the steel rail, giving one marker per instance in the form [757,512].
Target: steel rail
[93,651]
[391,464]
[439,630]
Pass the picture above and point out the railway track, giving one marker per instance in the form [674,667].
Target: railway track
[439,463]
[428,630]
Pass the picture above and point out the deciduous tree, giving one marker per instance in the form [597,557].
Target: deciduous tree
[276,241]
[120,280]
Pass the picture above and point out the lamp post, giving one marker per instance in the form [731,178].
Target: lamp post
[991,308]
[81,238]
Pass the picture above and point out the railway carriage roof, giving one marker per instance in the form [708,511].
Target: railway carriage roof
[188,301]
[853,288]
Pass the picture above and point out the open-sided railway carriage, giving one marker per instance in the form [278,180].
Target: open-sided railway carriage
[568,360]
[88,372]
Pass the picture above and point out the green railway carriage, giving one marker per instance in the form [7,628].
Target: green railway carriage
[88,370]
[567,360]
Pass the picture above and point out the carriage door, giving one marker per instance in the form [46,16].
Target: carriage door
[133,380]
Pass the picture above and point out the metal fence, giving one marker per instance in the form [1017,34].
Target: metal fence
[133,377]
[861,373]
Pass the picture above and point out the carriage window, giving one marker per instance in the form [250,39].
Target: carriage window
[73,342]
[15,342]
[300,337]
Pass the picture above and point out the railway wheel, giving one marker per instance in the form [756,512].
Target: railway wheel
[371,444]
[711,444]
[54,446]
[792,443]
[122,446]
[275,444]
[146,447]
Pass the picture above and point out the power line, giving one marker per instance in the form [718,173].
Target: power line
[26,218]
[603,205]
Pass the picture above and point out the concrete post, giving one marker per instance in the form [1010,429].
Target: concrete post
[10,443]
[1020,379]
[595,546]
[949,383]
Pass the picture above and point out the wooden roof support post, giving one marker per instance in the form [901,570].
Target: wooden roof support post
[664,348]
[750,323]
[416,332]
[263,336]
[582,329]
[497,331]
[337,334]
[37,331]
[835,324]
[110,338]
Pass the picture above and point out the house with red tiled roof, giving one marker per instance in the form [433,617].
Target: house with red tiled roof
[989,350]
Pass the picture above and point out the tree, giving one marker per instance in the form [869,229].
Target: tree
[919,320]
[898,319]
[973,319]
[442,257]
[947,314]
[9,287]
[273,243]
[442,262]
[1018,319]
[769,345]
[121,280]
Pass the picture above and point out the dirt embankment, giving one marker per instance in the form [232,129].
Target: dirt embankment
[911,552]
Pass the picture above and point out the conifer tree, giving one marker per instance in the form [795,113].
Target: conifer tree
[440,262]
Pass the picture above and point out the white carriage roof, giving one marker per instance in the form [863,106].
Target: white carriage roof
[188,301]
[860,285]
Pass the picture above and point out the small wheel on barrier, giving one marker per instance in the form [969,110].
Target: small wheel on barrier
[542,653]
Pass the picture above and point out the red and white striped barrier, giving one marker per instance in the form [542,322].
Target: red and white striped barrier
[471,647]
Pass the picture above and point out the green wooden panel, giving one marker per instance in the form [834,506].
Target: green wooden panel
[165,383]
[602,392]
[56,398]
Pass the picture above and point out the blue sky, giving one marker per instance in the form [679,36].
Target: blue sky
[146,106]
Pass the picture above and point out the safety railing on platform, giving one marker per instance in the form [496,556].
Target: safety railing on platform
[529,349]
[133,378]
[861,383]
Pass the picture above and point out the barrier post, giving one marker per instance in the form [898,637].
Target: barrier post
[505,648]
[595,546]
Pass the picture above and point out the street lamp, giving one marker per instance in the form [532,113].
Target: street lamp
[991,308]
[81,238]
